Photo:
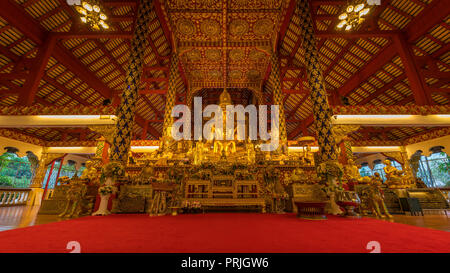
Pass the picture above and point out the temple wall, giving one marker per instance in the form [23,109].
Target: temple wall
[426,145]
[370,158]
[78,159]
[22,146]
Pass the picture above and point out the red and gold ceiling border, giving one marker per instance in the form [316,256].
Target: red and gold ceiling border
[21,137]
[429,135]
[392,110]
[76,143]
[56,110]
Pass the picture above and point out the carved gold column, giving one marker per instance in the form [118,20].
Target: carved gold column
[406,165]
[101,152]
[103,143]
[38,179]
[127,107]
[321,109]
[171,95]
[278,94]
[340,133]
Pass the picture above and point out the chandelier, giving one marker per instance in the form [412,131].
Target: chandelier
[354,14]
[92,14]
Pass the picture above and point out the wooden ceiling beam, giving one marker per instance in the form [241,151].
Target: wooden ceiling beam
[63,89]
[383,89]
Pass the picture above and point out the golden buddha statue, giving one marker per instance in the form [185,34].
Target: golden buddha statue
[351,173]
[297,175]
[224,147]
[90,173]
[251,153]
[395,179]
[376,198]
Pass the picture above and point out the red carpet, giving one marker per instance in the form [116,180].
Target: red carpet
[223,232]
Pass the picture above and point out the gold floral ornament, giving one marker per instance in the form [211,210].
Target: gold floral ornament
[194,55]
[256,55]
[236,55]
[235,74]
[214,74]
[63,180]
[254,75]
[105,190]
[210,28]
[113,170]
[238,27]
[263,27]
[196,74]
[213,54]
[186,27]
[241,3]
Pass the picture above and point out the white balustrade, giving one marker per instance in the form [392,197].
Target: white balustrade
[13,197]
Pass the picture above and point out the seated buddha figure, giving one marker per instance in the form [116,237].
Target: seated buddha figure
[297,175]
[395,179]
[351,173]
[90,173]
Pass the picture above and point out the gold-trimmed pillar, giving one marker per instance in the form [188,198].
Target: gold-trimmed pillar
[38,179]
[171,95]
[321,109]
[278,95]
[127,107]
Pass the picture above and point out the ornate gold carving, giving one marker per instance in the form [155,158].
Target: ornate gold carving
[263,27]
[238,27]
[256,55]
[41,170]
[235,74]
[196,74]
[210,28]
[214,74]
[106,131]
[254,75]
[186,27]
[341,131]
[194,55]
[213,54]
[236,55]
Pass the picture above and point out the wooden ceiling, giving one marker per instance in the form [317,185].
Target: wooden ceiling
[398,56]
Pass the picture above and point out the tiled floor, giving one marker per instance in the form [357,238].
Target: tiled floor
[23,216]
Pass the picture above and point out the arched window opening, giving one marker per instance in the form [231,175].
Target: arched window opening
[68,169]
[15,171]
[378,167]
[434,169]
[365,170]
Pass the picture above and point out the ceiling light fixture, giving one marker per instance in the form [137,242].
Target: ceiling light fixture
[353,14]
[92,14]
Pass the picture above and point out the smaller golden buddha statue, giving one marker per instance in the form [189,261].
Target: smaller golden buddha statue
[131,160]
[395,179]
[376,198]
[351,172]
[297,175]
[251,153]
[90,173]
[308,155]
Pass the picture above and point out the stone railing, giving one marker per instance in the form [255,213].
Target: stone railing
[13,197]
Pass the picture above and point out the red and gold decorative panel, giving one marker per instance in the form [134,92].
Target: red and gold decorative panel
[227,42]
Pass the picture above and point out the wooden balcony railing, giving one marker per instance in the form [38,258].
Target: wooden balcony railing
[13,197]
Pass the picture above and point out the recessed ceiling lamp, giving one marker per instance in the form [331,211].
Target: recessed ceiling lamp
[354,14]
[92,14]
